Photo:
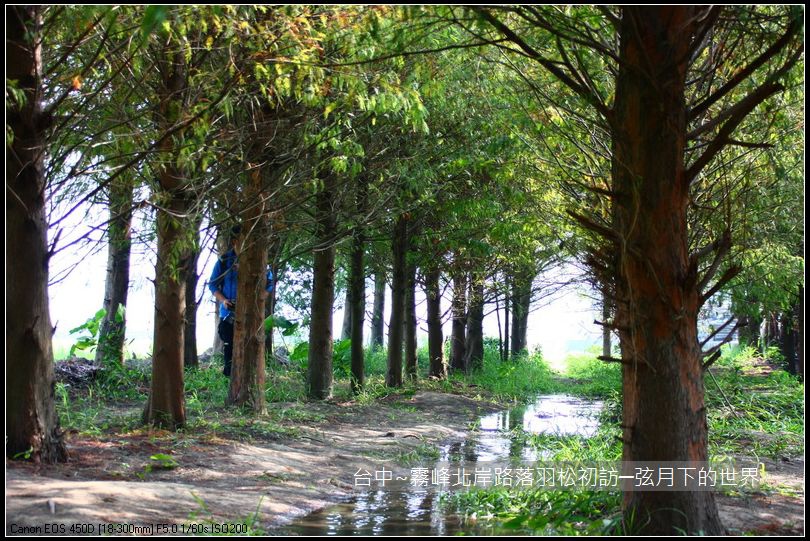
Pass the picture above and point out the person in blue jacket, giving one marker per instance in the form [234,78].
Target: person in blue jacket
[223,285]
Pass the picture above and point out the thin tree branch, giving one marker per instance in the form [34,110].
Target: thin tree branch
[747,105]
[545,62]
[727,276]
[746,72]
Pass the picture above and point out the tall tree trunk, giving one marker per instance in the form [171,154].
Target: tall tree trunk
[323,297]
[458,339]
[112,332]
[377,317]
[475,325]
[434,323]
[748,334]
[411,360]
[191,277]
[501,355]
[787,340]
[521,299]
[247,369]
[274,251]
[346,329]
[800,334]
[166,404]
[515,338]
[525,309]
[657,294]
[396,325]
[222,247]
[358,311]
[507,350]
[357,288]
[606,345]
[771,336]
[32,426]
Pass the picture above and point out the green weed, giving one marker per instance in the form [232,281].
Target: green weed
[515,379]
[751,411]
[593,377]
[544,512]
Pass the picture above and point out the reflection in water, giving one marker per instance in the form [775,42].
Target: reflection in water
[559,415]
[418,512]
[382,513]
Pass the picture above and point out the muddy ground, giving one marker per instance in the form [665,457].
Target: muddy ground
[270,477]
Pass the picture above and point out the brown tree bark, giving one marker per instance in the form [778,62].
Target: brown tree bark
[475,325]
[800,334]
[357,290]
[248,368]
[434,323]
[276,244]
[377,317]
[396,326]
[606,338]
[166,403]
[748,334]
[521,300]
[191,278]
[112,332]
[357,286]
[771,336]
[501,354]
[458,338]
[323,297]
[787,340]
[222,247]
[507,316]
[411,359]
[346,327]
[664,416]
[657,289]
[32,426]
[525,309]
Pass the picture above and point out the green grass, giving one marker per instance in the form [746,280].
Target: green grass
[764,414]
[90,413]
[592,376]
[541,512]
[517,379]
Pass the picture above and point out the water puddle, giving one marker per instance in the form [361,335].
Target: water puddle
[382,512]
[558,415]
[419,512]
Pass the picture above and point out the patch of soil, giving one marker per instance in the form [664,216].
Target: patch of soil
[776,509]
[228,477]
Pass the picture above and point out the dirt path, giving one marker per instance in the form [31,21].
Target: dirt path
[112,480]
[778,509]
